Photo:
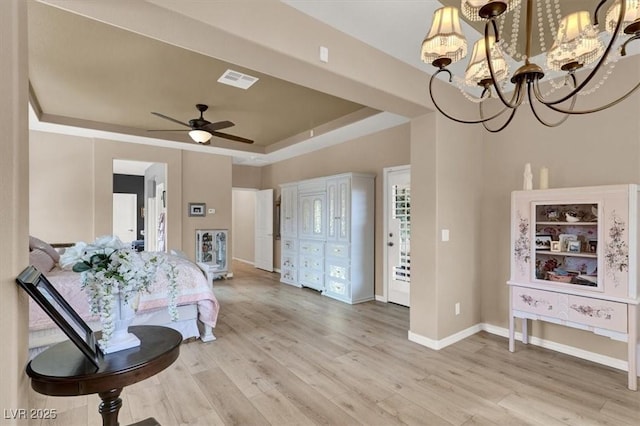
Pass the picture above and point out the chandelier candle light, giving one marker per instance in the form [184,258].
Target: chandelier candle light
[577,44]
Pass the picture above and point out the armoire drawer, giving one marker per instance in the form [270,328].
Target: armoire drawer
[288,275]
[288,244]
[337,250]
[289,261]
[337,288]
[311,278]
[312,262]
[338,270]
[311,248]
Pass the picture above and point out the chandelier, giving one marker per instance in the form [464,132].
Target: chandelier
[578,43]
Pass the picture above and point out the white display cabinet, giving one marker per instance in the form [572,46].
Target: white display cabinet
[211,252]
[574,262]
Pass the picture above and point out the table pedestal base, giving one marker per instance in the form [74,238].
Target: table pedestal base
[110,406]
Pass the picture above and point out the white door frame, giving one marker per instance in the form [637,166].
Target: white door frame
[263,257]
[385,229]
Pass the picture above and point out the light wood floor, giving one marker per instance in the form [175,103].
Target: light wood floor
[288,356]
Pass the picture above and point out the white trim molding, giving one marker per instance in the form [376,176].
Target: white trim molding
[504,332]
[443,343]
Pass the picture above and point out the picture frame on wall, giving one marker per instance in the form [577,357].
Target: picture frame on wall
[197,209]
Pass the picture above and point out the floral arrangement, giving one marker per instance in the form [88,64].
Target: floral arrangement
[107,268]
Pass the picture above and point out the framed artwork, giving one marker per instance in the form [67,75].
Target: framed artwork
[555,246]
[573,246]
[54,305]
[592,246]
[543,242]
[197,209]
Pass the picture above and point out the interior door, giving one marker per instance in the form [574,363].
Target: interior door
[125,219]
[398,205]
[264,230]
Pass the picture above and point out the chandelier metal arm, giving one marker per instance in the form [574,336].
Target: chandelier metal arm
[538,96]
[482,120]
[596,68]
[484,123]
[496,85]
[623,48]
[531,88]
[597,10]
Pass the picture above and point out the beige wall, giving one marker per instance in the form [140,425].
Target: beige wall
[61,187]
[206,179]
[14,205]
[246,177]
[597,149]
[369,154]
[424,266]
[75,175]
[244,209]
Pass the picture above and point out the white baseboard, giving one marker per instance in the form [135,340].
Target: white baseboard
[250,262]
[443,343]
[548,344]
[381,299]
[562,348]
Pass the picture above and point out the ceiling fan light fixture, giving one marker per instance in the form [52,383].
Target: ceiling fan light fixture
[200,136]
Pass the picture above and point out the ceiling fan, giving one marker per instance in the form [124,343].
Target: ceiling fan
[201,129]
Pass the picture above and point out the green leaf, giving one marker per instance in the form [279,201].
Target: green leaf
[81,267]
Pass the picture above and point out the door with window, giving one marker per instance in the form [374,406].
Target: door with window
[398,237]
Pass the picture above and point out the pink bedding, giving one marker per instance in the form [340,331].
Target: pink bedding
[193,288]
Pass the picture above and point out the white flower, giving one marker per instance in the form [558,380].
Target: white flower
[107,268]
[72,255]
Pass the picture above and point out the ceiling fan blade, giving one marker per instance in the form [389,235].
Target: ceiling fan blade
[170,119]
[231,137]
[169,130]
[218,125]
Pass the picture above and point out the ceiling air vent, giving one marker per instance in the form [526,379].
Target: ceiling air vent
[237,79]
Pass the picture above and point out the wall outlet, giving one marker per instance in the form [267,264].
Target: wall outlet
[458,308]
[212,211]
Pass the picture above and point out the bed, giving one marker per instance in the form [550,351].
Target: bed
[197,305]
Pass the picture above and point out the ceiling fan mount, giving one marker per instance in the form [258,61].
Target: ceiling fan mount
[201,130]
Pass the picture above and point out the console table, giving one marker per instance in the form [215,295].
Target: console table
[62,370]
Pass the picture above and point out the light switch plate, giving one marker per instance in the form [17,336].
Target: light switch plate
[445,235]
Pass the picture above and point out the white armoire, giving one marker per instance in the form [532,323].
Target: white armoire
[327,228]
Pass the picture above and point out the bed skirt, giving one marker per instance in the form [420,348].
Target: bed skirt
[187,325]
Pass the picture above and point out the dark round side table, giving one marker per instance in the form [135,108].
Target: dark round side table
[62,370]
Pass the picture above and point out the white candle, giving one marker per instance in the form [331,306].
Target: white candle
[544,178]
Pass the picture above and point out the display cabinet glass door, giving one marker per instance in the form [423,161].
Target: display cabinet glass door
[211,247]
[338,196]
[312,216]
[565,244]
